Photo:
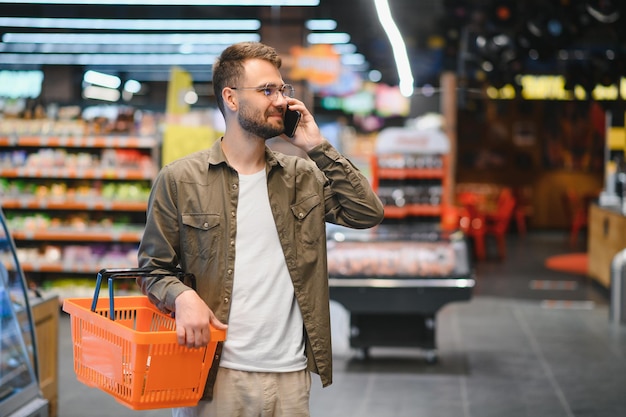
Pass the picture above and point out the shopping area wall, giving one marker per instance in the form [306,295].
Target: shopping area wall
[542,149]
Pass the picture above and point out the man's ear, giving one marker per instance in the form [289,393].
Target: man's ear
[230,99]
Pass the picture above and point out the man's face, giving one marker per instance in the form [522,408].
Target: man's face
[259,114]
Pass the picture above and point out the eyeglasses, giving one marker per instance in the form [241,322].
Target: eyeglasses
[271,90]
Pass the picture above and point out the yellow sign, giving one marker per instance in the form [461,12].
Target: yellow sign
[616,138]
[179,141]
[552,87]
[180,84]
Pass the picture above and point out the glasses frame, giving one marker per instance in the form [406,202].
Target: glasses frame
[271,91]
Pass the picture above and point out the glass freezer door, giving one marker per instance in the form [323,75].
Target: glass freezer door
[18,380]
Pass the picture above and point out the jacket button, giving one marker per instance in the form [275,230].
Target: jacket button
[226,300]
[206,225]
[234,186]
[301,215]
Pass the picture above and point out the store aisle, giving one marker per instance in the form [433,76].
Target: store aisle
[510,351]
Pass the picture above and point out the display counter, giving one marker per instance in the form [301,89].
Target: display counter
[46,318]
[20,394]
[606,237]
[393,282]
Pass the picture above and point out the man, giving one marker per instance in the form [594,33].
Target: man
[249,223]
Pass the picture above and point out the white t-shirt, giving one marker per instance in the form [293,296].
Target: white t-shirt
[265,327]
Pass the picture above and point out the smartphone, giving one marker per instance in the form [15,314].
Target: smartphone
[292,118]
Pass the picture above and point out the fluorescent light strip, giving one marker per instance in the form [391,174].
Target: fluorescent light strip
[178,3]
[101,79]
[345,48]
[353,59]
[107,59]
[320,24]
[328,38]
[101,93]
[399,48]
[130,38]
[132,24]
[79,48]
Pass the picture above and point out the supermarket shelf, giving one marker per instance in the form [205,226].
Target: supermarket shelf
[76,199]
[78,173]
[80,141]
[66,267]
[79,235]
[412,210]
[408,173]
[29,202]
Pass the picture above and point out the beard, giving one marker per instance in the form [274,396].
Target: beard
[257,124]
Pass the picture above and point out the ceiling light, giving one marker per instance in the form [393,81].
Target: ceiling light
[16,84]
[353,59]
[178,3]
[374,76]
[345,48]
[604,11]
[130,38]
[132,86]
[397,44]
[321,24]
[101,93]
[108,59]
[132,24]
[190,97]
[80,48]
[101,79]
[328,38]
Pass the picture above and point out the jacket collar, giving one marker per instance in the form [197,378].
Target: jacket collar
[217,157]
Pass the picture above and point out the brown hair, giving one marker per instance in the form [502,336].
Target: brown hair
[228,68]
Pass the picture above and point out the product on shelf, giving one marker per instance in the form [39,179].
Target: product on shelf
[390,259]
[75,189]
[409,173]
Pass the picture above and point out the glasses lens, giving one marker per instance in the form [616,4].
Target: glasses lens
[269,91]
[287,90]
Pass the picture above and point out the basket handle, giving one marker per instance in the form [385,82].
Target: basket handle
[127,273]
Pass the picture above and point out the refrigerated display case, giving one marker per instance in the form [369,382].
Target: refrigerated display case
[20,394]
[393,280]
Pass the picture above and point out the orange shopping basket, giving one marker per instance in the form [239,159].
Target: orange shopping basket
[128,348]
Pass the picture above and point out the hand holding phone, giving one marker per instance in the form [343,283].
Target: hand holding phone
[292,118]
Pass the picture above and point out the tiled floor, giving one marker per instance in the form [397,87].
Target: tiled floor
[504,354]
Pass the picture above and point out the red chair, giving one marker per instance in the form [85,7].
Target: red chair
[497,223]
[577,211]
[523,208]
[472,221]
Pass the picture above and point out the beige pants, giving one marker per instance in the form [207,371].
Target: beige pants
[255,394]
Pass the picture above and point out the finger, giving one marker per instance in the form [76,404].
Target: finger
[215,322]
[191,340]
[199,338]
[206,336]
[180,335]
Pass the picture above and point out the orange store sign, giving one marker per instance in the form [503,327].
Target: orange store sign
[319,64]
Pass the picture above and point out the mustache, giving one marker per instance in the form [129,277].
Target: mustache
[275,113]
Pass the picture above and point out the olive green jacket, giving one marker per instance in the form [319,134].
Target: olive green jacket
[191,223]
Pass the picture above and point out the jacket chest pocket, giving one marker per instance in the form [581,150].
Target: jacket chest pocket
[201,232]
[309,219]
